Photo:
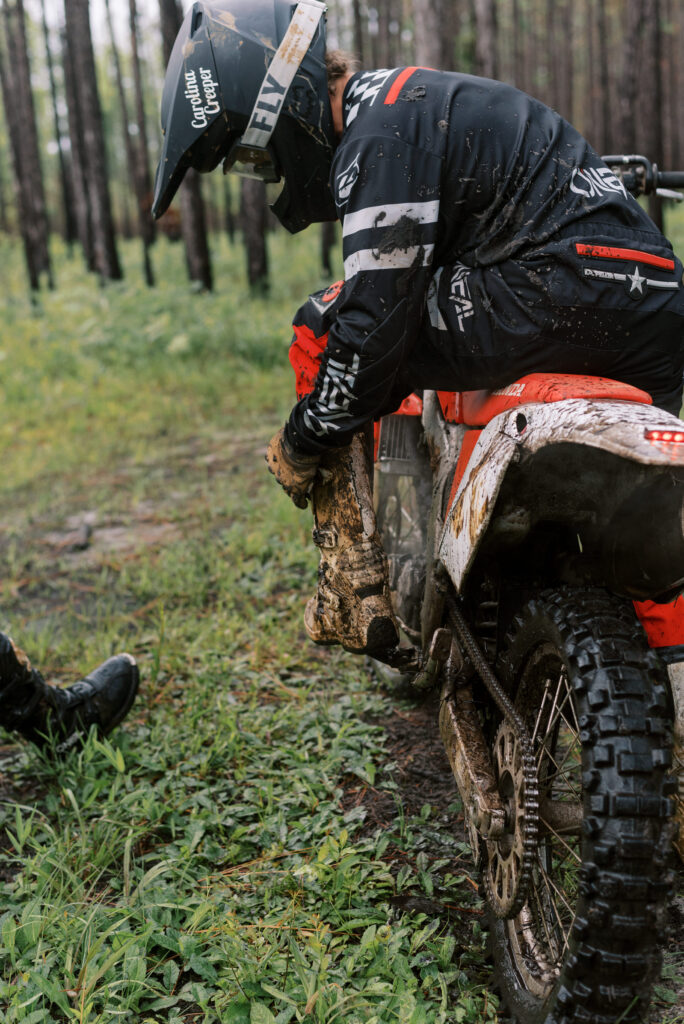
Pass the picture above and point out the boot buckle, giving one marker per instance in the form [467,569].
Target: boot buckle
[325,538]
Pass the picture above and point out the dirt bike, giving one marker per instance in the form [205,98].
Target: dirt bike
[520,525]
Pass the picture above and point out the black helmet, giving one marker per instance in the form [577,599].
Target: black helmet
[247,83]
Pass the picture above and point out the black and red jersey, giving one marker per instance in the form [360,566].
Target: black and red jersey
[444,170]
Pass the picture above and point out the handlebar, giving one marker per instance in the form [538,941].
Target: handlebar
[642,178]
[671,179]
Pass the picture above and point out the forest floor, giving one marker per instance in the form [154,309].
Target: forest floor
[270,836]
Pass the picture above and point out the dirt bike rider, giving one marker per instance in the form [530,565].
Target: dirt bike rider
[43,713]
[483,239]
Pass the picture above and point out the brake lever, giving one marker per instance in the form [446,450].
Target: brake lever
[668,193]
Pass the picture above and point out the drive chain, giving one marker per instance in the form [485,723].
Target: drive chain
[511,907]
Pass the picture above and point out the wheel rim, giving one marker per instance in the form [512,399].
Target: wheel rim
[539,935]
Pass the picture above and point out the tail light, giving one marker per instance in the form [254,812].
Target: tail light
[669,436]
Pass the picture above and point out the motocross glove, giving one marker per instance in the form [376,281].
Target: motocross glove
[293,470]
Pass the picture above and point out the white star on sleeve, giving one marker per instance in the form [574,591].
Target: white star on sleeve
[637,281]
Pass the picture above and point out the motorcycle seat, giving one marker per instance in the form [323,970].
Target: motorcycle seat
[477,408]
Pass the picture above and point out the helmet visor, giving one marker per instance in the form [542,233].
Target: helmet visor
[252,162]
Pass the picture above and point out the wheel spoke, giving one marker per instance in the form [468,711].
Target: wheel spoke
[552,885]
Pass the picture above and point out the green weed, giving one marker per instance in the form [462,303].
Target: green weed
[202,864]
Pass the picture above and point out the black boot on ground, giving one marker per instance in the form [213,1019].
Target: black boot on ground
[41,712]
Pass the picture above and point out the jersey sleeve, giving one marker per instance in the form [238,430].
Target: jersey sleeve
[387,194]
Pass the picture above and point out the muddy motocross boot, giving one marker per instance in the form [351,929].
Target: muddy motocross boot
[39,711]
[352,605]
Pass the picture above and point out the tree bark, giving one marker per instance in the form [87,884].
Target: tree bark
[4,219]
[328,234]
[606,132]
[133,155]
[70,233]
[78,163]
[653,112]
[427,32]
[144,178]
[85,85]
[193,216]
[228,216]
[630,75]
[519,78]
[672,111]
[384,43]
[15,77]
[552,82]
[565,61]
[253,218]
[358,31]
[485,38]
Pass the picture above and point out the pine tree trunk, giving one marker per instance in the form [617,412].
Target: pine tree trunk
[672,112]
[228,216]
[78,163]
[15,77]
[565,60]
[253,219]
[427,32]
[194,228]
[358,31]
[516,44]
[85,85]
[653,123]
[485,38]
[4,219]
[65,181]
[193,216]
[132,153]
[328,233]
[552,82]
[143,176]
[630,75]
[675,126]
[605,106]
[449,34]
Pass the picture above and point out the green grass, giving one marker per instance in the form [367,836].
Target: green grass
[204,865]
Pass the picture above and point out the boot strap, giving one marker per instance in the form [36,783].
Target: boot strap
[20,697]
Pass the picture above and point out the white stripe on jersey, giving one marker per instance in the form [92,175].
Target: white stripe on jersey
[388,215]
[436,318]
[397,259]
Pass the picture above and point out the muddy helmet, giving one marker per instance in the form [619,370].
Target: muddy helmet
[247,84]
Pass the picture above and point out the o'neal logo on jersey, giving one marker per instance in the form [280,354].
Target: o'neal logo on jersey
[459,295]
[595,181]
[346,180]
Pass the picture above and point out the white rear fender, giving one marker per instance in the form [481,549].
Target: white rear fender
[615,427]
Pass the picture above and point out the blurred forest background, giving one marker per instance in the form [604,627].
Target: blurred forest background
[81,83]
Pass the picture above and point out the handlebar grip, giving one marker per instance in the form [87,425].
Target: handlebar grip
[670,179]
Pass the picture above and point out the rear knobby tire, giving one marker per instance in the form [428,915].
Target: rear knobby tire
[585,948]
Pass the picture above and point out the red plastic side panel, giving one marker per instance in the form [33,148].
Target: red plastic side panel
[451,403]
[479,407]
[469,442]
[411,406]
[663,623]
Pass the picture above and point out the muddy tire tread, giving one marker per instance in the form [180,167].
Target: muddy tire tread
[622,702]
